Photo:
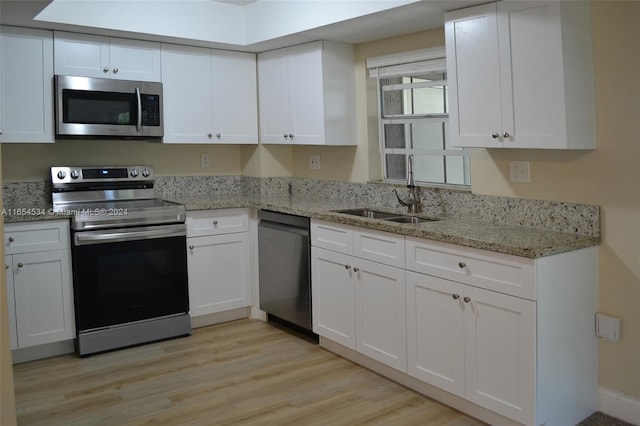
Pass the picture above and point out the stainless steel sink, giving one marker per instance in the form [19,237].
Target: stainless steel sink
[410,219]
[372,214]
[391,217]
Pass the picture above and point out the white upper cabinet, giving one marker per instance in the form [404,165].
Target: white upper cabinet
[520,75]
[307,95]
[26,85]
[209,96]
[104,57]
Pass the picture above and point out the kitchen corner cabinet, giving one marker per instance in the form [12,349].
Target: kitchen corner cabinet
[210,96]
[218,261]
[358,291]
[40,294]
[26,84]
[106,57]
[500,330]
[307,95]
[520,75]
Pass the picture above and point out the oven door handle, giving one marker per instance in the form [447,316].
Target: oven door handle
[129,234]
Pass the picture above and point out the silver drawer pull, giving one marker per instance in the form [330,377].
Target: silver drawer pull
[462,265]
[20,265]
[356,269]
[215,223]
[11,239]
[467,299]
[191,247]
[455,296]
[347,267]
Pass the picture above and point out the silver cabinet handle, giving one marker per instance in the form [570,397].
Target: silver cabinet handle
[495,135]
[6,266]
[462,265]
[20,265]
[191,247]
[467,299]
[455,296]
[115,70]
[218,135]
[209,135]
[347,267]
[1,132]
[290,136]
[105,70]
[356,269]
[215,223]
[506,135]
[286,136]
[11,239]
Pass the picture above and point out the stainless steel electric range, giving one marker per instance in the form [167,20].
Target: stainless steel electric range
[129,257]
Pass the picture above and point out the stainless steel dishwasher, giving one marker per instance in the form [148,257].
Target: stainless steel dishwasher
[284,263]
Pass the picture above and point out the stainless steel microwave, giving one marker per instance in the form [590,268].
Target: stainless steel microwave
[105,108]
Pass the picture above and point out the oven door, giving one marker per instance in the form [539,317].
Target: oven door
[130,274]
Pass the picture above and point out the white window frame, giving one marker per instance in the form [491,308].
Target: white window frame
[402,64]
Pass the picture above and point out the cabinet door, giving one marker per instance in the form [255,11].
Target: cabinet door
[435,332]
[273,86]
[43,295]
[500,347]
[306,94]
[26,84]
[134,60]
[11,304]
[235,97]
[380,313]
[332,287]
[82,54]
[531,61]
[219,273]
[188,110]
[474,76]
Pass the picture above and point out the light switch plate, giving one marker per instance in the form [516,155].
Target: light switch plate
[519,172]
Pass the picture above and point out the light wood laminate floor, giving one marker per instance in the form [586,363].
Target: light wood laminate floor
[241,372]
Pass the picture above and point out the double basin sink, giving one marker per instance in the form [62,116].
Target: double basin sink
[390,217]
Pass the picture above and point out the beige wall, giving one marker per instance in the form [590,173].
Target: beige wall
[608,176]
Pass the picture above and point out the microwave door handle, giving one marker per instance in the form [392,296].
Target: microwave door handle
[139,121]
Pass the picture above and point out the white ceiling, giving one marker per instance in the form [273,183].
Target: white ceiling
[396,17]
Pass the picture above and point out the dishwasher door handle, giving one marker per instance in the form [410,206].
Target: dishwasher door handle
[283,228]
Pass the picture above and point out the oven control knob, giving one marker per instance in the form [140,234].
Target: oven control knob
[62,174]
[134,173]
[75,174]
[146,172]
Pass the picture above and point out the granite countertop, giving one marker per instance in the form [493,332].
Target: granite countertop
[515,240]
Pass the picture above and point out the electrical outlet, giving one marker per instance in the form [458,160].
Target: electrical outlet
[519,172]
[204,160]
[608,327]
[314,162]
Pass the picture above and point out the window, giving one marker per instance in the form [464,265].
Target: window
[414,119]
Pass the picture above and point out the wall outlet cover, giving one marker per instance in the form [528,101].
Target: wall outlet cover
[519,172]
[314,162]
[204,160]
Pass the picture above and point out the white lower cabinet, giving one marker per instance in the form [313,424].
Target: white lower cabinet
[474,343]
[359,303]
[507,339]
[39,283]
[218,261]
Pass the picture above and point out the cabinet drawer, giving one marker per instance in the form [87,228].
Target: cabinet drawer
[332,236]
[36,236]
[378,246]
[493,271]
[215,222]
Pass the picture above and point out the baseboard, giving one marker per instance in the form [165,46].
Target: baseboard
[219,317]
[619,405]
[47,350]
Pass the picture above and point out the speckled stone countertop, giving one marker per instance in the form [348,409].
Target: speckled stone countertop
[518,227]
[508,239]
